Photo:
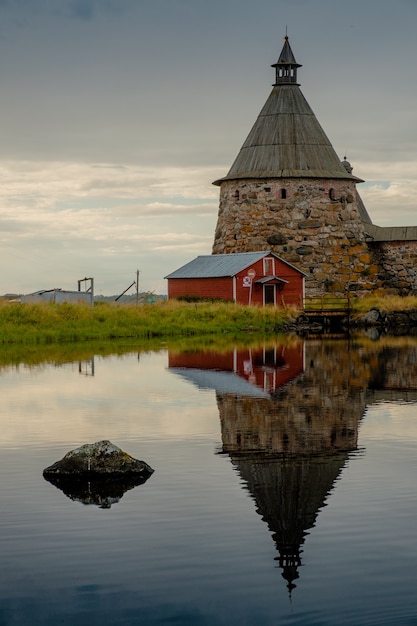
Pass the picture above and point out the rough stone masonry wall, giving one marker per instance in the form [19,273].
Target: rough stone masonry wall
[398,266]
[312,223]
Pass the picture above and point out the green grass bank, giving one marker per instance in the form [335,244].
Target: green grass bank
[43,324]
[63,323]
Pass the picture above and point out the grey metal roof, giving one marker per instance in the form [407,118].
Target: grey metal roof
[269,279]
[222,382]
[218,265]
[221,265]
[391,233]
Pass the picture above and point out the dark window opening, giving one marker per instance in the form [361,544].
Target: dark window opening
[283,194]
[267,189]
[236,195]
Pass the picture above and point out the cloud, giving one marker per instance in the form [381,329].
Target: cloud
[56,184]
[392,203]
[87,9]
[78,9]
[83,9]
[389,191]
[62,220]
[163,209]
[58,220]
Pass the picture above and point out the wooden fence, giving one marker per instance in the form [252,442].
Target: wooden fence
[327,305]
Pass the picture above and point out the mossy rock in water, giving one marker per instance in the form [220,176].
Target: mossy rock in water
[100,458]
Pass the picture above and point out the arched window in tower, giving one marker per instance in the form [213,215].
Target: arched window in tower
[236,195]
[283,194]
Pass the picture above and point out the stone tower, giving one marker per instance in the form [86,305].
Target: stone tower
[288,191]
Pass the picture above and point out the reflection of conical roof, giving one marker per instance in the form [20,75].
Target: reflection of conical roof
[286,140]
[289,493]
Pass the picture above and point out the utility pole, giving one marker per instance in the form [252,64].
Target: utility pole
[137,287]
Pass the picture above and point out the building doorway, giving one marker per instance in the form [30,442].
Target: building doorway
[269,294]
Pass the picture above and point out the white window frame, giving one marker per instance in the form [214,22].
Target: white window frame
[269,261]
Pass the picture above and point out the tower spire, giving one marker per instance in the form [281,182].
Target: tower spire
[286,66]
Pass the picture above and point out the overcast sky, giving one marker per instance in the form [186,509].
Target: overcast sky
[117,115]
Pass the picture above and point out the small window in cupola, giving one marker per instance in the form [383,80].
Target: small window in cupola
[283,194]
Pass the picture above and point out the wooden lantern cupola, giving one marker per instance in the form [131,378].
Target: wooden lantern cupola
[286,66]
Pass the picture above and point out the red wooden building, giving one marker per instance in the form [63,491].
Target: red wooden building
[258,278]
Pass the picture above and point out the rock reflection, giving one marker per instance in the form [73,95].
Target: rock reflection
[102,491]
[289,431]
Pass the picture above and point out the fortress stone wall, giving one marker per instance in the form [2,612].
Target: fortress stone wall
[397,266]
[299,221]
[325,238]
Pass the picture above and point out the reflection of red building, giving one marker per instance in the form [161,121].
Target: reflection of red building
[250,371]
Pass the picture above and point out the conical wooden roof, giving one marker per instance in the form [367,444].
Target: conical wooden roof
[286,140]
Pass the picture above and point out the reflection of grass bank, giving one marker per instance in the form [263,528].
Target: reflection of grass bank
[59,354]
[43,324]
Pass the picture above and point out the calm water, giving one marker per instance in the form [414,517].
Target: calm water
[284,490]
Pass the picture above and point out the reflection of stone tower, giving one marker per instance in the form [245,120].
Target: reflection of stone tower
[290,448]
[317,413]
[288,191]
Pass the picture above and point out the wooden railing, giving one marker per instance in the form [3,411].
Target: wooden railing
[327,305]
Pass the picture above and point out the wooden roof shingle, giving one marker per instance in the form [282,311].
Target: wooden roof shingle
[287,141]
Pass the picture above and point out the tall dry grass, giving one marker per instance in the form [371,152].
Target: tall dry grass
[60,323]
[387,303]
[34,324]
